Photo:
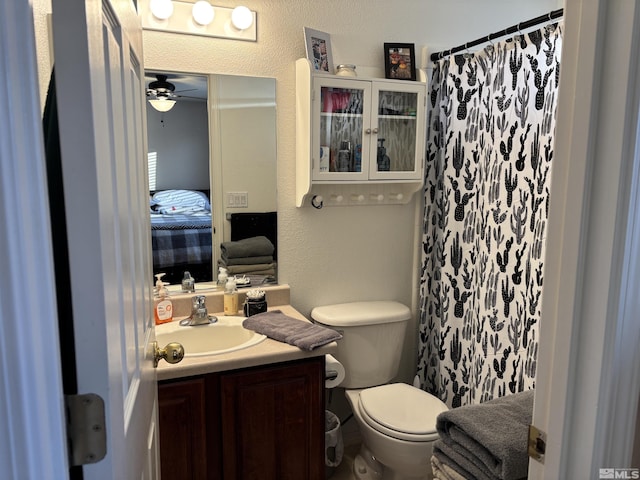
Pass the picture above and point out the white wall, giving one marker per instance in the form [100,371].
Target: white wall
[343,253]
[247,141]
[181,140]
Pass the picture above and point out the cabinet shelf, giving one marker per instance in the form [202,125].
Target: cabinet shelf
[358,140]
[340,114]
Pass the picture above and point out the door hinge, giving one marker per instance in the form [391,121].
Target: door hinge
[537,443]
[86,428]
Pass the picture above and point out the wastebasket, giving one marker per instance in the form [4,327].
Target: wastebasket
[333,445]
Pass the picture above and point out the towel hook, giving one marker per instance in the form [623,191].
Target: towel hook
[317,201]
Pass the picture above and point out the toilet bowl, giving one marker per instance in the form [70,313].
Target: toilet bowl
[397,423]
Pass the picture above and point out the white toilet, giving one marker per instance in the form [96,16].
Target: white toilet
[397,422]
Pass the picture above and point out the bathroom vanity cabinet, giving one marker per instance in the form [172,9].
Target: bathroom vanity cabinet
[359,141]
[262,422]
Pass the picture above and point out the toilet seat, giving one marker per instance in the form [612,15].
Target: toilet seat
[401,411]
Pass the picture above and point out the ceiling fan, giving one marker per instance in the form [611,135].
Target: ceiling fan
[162,93]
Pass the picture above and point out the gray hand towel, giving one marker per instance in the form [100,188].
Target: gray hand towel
[248,247]
[275,324]
[492,436]
[223,262]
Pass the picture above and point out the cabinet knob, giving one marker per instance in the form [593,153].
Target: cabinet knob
[368,131]
[375,130]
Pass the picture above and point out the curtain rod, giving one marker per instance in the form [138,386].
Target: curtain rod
[507,31]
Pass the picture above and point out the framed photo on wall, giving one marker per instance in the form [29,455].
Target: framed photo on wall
[400,61]
[319,49]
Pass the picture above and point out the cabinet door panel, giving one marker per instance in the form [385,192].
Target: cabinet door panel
[341,135]
[182,429]
[273,422]
[399,124]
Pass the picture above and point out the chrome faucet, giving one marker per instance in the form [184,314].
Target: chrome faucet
[199,314]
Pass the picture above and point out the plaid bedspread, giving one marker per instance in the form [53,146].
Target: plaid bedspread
[178,240]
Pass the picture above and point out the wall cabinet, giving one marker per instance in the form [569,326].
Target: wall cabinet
[264,422]
[362,137]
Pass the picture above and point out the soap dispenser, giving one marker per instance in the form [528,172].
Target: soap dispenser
[230,298]
[188,283]
[222,278]
[163,311]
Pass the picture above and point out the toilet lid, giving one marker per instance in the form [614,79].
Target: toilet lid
[402,409]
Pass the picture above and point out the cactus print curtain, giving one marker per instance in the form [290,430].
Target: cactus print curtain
[488,174]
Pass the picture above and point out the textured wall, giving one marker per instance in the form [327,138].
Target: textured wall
[342,253]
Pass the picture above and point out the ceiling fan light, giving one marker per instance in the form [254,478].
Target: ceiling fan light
[241,17]
[161,9]
[202,12]
[162,105]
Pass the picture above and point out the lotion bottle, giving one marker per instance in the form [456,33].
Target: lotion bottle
[230,298]
[163,311]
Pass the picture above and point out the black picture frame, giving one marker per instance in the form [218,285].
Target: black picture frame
[400,61]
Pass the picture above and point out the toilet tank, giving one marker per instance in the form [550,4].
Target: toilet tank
[372,339]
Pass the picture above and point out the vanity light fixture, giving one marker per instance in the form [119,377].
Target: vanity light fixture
[162,104]
[199,18]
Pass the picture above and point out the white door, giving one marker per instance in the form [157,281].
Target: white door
[100,85]
[588,379]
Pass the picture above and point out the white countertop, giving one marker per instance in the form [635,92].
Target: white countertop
[266,352]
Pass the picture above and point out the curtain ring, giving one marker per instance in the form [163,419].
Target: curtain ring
[520,35]
[491,46]
[467,54]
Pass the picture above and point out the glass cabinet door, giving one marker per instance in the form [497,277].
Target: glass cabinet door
[398,150]
[343,109]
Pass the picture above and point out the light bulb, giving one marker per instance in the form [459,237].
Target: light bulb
[202,12]
[241,18]
[161,9]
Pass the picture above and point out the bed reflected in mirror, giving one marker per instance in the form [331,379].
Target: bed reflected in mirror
[212,176]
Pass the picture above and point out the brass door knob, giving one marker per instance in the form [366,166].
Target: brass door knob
[172,353]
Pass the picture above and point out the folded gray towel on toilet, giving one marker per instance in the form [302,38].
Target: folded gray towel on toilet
[488,440]
[275,324]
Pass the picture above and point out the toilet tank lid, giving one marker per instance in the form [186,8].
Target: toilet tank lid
[361,313]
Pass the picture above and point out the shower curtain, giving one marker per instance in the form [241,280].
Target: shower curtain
[487,180]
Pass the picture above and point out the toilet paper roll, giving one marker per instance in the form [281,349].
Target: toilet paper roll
[333,372]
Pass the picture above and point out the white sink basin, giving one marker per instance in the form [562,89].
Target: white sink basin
[226,335]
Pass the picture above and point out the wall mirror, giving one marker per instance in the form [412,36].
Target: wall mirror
[212,175]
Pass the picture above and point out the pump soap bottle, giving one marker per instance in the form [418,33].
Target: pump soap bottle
[230,298]
[222,278]
[188,283]
[163,311]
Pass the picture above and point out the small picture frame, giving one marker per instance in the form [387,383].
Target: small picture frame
[400,61]
[319,50]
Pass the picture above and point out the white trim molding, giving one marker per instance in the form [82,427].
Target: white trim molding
[587,386]
[33,442]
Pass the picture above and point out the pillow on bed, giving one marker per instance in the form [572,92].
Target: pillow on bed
[180,199]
